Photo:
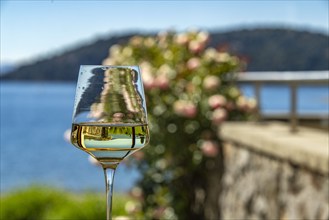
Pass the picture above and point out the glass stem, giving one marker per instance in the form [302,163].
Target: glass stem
[109,177]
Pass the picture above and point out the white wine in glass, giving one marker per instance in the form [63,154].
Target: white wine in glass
[110,117]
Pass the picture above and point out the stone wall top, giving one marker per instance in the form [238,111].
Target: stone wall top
[307,148]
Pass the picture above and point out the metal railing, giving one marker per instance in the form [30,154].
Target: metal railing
[292,79]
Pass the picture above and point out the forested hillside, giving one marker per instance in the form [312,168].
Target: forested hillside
[262,49]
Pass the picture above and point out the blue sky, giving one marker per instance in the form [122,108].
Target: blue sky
[33,29]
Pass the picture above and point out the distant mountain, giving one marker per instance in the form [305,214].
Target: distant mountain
[277,49]
[264,50]
[6,68]
[65,67]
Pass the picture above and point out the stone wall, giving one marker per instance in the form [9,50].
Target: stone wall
[267,178]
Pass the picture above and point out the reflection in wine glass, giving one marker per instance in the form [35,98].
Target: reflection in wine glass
[109,118]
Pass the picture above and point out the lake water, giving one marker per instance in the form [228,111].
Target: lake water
[34,117]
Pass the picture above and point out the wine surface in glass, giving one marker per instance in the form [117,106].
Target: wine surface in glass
[109,143]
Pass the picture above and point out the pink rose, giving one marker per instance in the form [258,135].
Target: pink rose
[190,110]
[179,107]
[193,63]
[148,80]
[216,101]
[162,82]
[218,116]
[252,105]
[136,41]
[196,46]
[247,105]
[149,83]
[185,108]
[209,148]
[203,37]
[181,39]
[211,83]
[147,76]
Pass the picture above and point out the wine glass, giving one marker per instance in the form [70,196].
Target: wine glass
[110,117]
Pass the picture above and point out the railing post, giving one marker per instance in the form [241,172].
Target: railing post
[293,107]
[258,97]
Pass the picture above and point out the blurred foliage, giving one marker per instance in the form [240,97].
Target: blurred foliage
[264,49]
[40,203]
[190,90]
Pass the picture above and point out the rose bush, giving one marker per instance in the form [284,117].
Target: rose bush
[190,91]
